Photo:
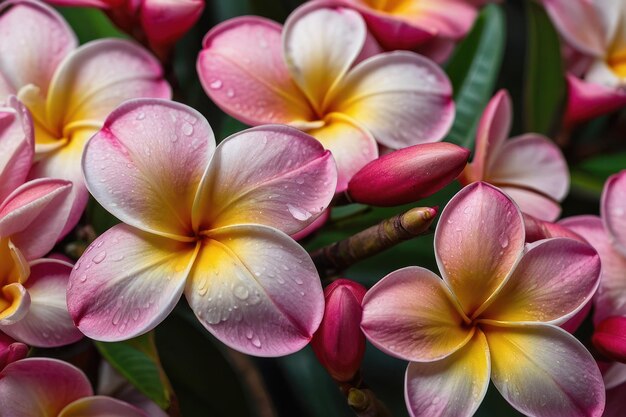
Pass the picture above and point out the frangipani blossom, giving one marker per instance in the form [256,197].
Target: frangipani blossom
[595,30]
[607,234]
[68,90]
[530,168]
[42,387]
[493,315]
[212,223]
[317,74]
[32,217]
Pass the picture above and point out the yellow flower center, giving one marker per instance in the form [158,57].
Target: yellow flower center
[617,63]
[391,6]
[13,271]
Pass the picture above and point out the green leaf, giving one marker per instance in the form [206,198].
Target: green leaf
[473,70]
[100,219]
[603,166]
[90,23]
[545,87]
[137,360]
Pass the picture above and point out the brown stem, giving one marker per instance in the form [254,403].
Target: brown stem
[336,257]
[362,400]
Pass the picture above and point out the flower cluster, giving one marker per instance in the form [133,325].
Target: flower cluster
[355,109]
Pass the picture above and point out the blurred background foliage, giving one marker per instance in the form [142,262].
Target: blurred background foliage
[514,46]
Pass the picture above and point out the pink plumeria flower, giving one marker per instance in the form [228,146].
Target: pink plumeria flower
[32,217]
[594,30]
[42,387]
[429,26]
[68,90]
[607,234]
[530,168]
[162,22]
[493,315]
[259,72]
[210,222]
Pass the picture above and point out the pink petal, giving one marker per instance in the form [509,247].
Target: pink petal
[18,299]
[242,69]
[34,215]
[85,3]
[579,23]
[539,229]
[448,18]
[613,210]
[572,324]
[320,44]
[411,314]
[609,337]
[493,129]
[166,21]
[11,350]
[554,279]
[401,97]
[146,163]
[614,375]
[126,283]
[615,401]
[587,100]
[256,290]
[453,386]
[271,175]
[100,406]
[544,371]
[47,323]
[34,39]
[40,387]
[313,227]
[478,241]
[533,203]
[16,146]
[101,75]
[610,299]
[351,145]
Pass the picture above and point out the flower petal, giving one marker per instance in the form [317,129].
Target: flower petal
[16,302]
[34,39]
[256,290]
[98,77]
[16,146]
[271,175]
[552,281]
[126,283]
[613,210]
[100,406]
[242,69]
[47,323]
[450,387]
[611,296]
[320,43]
[34,215]
[352,146]
[401,97]
[615,401]
[40,387]
[411,314]
[11,350]
[533,203]
[587,100]
[542,370]
[146,164]
[478,240]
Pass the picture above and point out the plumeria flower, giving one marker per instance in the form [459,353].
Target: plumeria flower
[162,22]
[308,75]
[607,234]
[594,30]
[32,216]
[530,168]
[43,387]
[68,90]
[493,315]
[430,26]
[210,222]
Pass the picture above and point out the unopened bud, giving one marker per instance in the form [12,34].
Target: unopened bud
[10,350]
[610,338]
[166,21]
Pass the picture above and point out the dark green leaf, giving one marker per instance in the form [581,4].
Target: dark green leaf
[545,81]
[100,219]
[473,70]
[603,166]
[89,23]
[137,360]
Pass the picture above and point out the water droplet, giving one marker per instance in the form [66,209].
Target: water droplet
[187,129]
[241,292]
[230,93]
[83,278]
[263,43]
[298,280]
[141,116]
[117,317]
[300,181]
[135,314]
[299,213]
[256,342]
[99,257]
[249,334]
[504,241]
[216,85]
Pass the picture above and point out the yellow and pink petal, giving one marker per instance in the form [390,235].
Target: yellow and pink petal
[101,406]
[613,210]
[17,145]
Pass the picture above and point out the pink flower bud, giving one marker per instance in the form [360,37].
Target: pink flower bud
[610,338]
[166,21]
[339,343]
[539,229]
[10,350]
[407,175]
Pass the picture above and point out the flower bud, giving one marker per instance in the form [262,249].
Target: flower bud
[339,343]
[407,175]
[10,350]
[166,21]
[610,338]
